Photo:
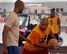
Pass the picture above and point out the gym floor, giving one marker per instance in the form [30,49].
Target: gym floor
[61,50]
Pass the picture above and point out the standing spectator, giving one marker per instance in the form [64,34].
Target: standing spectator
[11,30]
[54,23]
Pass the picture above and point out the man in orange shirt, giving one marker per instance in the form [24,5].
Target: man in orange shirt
[38,38]
[54,23]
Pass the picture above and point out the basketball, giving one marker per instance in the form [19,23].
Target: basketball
[53,43]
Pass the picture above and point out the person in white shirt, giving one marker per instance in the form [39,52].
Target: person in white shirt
[11,30]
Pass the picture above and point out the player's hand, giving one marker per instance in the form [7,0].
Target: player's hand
[50,46]
[28,41]
[5,51]
[59,32]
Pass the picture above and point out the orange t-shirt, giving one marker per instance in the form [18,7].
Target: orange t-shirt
[37,36]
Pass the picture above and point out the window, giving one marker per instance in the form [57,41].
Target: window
[61,9]
[57,9]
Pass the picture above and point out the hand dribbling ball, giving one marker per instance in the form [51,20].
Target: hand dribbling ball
[53,43]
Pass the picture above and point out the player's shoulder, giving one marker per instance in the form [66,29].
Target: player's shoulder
[57,16]
[48,16]
[13,13]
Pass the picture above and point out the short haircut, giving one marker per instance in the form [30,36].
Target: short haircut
[19,3]
[53,9]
